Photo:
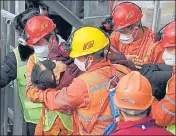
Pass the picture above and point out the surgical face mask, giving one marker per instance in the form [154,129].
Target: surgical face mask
[126,38]
[41,51]
[168,58]
[81,65]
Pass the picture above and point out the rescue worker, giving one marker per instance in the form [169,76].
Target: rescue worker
[131,38]
[134,97]
[42,37]
[14,67]
[87,95]
[164,111]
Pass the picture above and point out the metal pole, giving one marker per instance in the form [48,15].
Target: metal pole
[18,114]
[155,16]
[64,13]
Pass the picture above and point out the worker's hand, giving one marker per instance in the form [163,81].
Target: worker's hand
[135,59]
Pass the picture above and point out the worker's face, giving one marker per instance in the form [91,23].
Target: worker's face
[84,62]
[41,49]
[128,34]
[171,50]
[169,56]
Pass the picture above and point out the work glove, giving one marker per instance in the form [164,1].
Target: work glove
[107,25]
[71,72]
[135,59]
[119,58]
[42,78]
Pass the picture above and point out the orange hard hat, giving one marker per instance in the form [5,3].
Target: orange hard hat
[38,27]
[169,37]
[133,92]
[126,14]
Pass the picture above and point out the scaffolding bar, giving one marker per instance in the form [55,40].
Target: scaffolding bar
[64,13]
[156,16]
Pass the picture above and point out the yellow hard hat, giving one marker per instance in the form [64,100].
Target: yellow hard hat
[87,40]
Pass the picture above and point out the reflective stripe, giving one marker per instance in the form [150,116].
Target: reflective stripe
[27,76]
[98,87]
[170,100]
[22,64]
[59,103]
[88,118]
[166,110]
[112,48]
[64,98]
[21,85]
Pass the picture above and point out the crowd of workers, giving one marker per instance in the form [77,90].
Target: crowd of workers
[90,84]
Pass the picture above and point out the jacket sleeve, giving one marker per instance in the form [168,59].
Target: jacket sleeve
[8,70]
[114,40]
[73,96]
[29,67]
[164,111]
[156,54]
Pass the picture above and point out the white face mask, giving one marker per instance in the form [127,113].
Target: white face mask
[81,65]
[41,51]
[168,58]
[126,38]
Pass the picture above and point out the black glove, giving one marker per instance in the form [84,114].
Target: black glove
[107,25]
[43,79]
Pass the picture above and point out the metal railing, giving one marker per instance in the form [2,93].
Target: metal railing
[11,113]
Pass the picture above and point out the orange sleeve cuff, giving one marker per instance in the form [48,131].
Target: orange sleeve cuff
[34,94]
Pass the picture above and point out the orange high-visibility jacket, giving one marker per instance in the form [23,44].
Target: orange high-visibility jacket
[164,111]
[57,127]
[145,48]
[85,95]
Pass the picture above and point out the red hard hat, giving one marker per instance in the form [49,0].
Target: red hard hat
[169,38]
[126,14]
[38,27]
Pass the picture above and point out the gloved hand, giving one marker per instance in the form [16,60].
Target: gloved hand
[71,72]
[135,59]
[42,78]
[107,25]
[119,58]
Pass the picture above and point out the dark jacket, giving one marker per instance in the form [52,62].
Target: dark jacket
[9,65]
[158,75]
[8,70]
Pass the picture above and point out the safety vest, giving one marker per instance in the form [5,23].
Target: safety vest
[97,91]
[50,116]
[31,110]
[170,128]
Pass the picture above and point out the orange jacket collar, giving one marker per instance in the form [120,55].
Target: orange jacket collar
[100,64]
